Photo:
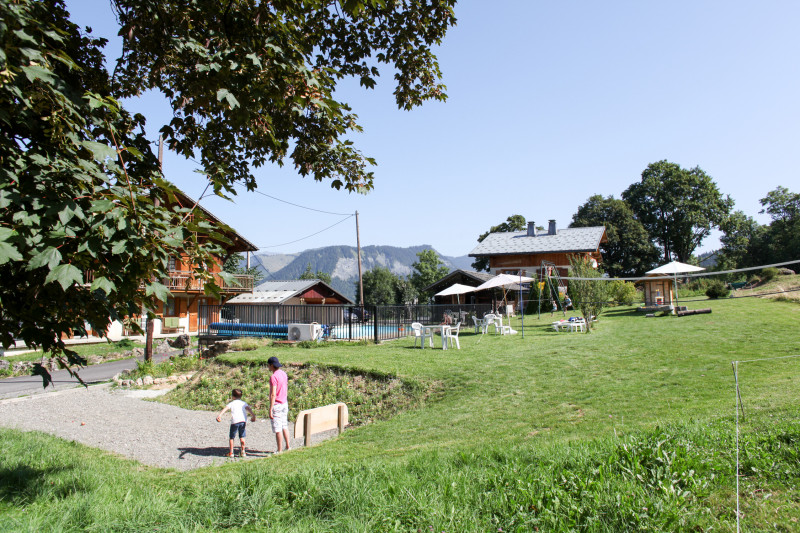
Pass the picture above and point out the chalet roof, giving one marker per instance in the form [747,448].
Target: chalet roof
[519,242]
[278,292]
[465,277]
[238,243]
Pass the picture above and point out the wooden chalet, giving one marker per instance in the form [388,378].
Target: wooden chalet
[528,252]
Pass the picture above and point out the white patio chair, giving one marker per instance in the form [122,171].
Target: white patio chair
[489,319]
[452,335]
[479,323]
[420,332]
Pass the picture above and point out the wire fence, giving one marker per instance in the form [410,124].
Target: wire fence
[336,322]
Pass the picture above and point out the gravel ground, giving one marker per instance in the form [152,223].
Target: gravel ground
[124,422]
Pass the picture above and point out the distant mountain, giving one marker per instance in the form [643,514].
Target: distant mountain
[341,262]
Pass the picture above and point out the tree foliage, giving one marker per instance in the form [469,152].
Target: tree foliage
[308,274]
[746,243]
[512,223]
[628,251]
[249,80]
[380,287]
[677,207]
[233,265]
[590,297]
[82,238]
[81,192]
[427,270]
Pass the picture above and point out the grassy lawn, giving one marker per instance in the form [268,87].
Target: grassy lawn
[628,428]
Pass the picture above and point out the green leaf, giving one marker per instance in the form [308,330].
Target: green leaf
[65,275]
[35,72]
[103,284]
[8,253]
[225,94]
[160,291]
[100,150]
[50,257]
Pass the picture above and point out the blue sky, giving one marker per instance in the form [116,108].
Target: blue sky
[549,103]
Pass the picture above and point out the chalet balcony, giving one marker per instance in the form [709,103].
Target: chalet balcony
[186,282]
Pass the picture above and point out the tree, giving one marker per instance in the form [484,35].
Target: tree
[781,240]
[588,296]
[428,270]
[248,80]
[628,251]
[677,207]
[81,192]
[512,223]
[308,274]
[738,240]
[84,223]
[380,285]
[233,265]
[405,293]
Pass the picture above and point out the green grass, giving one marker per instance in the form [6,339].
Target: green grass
[627,428]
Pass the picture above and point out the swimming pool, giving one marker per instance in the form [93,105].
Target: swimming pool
[361,331]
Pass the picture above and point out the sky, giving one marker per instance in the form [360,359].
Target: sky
[548,104]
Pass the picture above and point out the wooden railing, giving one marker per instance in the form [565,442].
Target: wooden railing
[185,281]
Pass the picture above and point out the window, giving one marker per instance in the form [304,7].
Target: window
[172,264]
[169,307]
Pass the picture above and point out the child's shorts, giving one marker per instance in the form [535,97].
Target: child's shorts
[280,415]
[238,428]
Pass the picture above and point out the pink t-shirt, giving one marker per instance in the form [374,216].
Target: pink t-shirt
[279,381]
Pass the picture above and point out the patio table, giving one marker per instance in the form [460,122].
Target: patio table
[444,328]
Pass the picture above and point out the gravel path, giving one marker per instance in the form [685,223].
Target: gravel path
[124,422]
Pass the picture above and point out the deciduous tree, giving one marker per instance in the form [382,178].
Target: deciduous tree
[380,285]
[590,297]
[512,223]
[249,82]
[429,269]
[628,251]
[677,207]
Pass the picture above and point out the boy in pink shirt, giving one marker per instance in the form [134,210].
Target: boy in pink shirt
[278,404]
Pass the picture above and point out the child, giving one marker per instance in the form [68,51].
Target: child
[239,411]
[278,404]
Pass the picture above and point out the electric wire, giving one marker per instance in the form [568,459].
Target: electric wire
[309,236]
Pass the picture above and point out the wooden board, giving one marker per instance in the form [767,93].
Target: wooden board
[322,419]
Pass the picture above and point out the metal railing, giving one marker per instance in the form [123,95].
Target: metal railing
[185,281]
[375,323]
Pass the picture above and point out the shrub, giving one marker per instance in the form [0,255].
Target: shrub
[717,289]
[624,292]
[767,274]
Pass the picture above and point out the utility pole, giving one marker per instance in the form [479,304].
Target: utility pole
[360,278]
[150,328]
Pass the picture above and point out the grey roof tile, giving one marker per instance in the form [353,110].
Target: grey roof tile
[518,242]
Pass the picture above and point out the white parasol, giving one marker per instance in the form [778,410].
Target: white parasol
[504,280]
[674,268]
[456,289]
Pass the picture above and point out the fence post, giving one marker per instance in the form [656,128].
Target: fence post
[375,322]
[307,429]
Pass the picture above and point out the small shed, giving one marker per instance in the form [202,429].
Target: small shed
[660,291]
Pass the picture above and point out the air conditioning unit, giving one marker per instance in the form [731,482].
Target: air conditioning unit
[304,332]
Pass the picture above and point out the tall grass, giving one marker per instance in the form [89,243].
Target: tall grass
[628,428]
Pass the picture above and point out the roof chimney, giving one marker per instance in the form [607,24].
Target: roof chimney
[531,229]
[551,230]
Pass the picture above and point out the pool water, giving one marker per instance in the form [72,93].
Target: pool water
[360,331]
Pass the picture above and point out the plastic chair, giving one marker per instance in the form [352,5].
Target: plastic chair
[489,319]
[419,333]
[479,323]
[452,335]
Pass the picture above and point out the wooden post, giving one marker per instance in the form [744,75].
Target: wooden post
[341,418]
[148,340]
[307,429]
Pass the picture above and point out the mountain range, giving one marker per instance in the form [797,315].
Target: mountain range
[341,262]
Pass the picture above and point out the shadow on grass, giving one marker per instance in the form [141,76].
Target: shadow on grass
[627,311]
[23,484]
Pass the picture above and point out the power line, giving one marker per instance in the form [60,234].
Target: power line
[309,236]
[298,205]
[686,274]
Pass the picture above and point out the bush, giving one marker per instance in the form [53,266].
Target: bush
[767,274]
[717,289]
[624,292]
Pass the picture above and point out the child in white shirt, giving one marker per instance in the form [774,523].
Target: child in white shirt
[239,411]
